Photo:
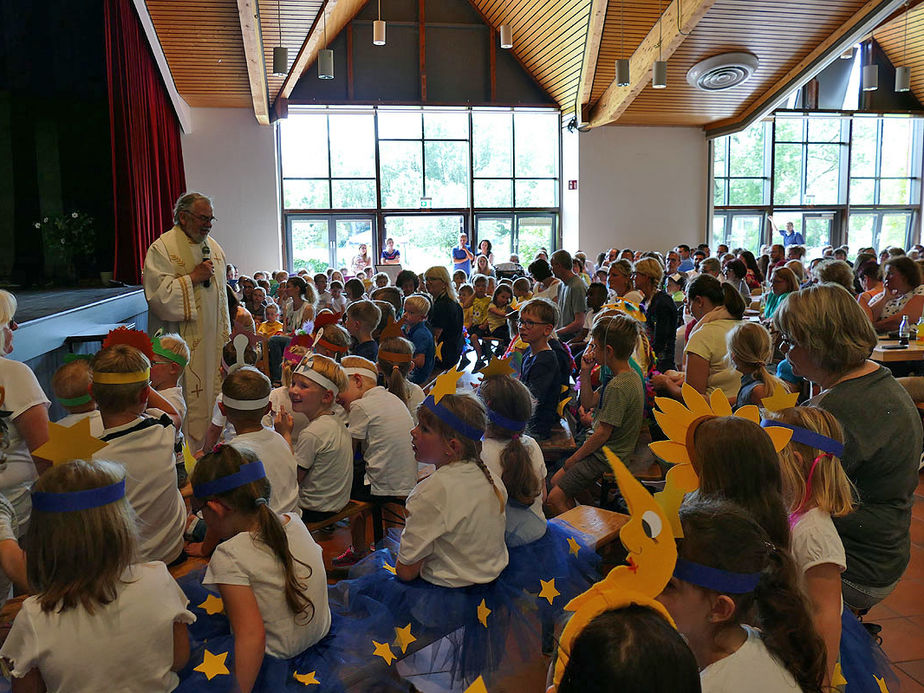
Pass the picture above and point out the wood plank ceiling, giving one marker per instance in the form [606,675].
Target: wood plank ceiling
[891,38]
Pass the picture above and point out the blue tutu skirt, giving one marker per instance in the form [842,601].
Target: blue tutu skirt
[862,660]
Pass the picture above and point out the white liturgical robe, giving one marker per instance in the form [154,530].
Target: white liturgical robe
[197,313]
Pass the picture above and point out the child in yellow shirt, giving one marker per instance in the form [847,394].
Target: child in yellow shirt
[271,326]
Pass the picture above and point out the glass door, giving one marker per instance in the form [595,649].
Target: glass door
[316,242]
[498,230]
[425,240]
[817,228]
[534,232]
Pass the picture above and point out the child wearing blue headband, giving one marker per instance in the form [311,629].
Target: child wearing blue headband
[268,570]
[98,620]
[727,574]
[454,532]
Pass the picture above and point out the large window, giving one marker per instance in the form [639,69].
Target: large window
[419,176]
[854,181]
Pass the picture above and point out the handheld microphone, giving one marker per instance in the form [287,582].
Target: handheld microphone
[206,254]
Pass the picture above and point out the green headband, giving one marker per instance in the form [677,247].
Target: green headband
[75,401]
[166,353]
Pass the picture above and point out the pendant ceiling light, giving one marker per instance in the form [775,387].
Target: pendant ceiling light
[378,29]
[325,56]
[659,69]
[280,52]
[903,73]
[870,72]
[622,64]
[506,37]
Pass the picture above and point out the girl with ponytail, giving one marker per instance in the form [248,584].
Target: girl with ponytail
[269,571]
[750,350]
[396,356]
[729,581]
[514,457]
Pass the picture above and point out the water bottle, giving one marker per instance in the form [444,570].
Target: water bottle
[903,331]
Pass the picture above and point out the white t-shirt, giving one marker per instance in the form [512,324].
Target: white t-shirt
[338,304]
[752,668]
[145,448]
[125,645]
[384,424]
[550,293]
[279,463]
[491,449]
[414,400]
[323,299]
[815,541]
[279,398]
[96,421]
[220,420]
[21,391]
[245,560]
[455,522]
[174,395]
[708,342]
[325,451]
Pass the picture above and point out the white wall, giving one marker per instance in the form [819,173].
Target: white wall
[232,159]
[642,188]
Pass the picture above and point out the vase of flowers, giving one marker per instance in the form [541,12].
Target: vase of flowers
[70,242]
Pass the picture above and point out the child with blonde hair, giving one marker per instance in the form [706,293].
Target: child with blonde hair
[271,326]
[396,356]
[750,349]
[415,328]
[71,387]
[268,570]
[816,488]
[323,450]
[380,426]
[95,609]
[171,354]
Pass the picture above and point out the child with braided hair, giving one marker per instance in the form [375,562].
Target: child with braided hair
[396,356]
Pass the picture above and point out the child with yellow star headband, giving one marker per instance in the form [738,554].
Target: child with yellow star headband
[268,570]
[98,620]
[728,581]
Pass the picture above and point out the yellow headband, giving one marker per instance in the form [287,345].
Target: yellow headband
[122,378]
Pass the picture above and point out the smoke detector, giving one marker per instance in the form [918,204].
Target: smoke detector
[722,72]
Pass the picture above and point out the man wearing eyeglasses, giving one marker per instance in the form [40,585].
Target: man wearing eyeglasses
[184,283]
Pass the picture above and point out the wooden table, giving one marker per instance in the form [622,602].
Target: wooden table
[601,525]
[914,352]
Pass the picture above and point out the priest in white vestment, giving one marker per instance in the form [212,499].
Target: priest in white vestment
[184,284]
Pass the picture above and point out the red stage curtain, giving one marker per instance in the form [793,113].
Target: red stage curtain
[147,158]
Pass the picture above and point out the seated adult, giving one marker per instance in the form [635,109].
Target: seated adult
[717,308]
[754,276]
[619,282]
[834,272]
[445,319]
[798,269]
[361,261]
[483,266]
[903,294]
[711,266]
[546,284]
[300,301]
[782,283]
[735,273]
[660,311]
[828,339]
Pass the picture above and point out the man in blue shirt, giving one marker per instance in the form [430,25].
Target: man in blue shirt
[686,262]
[462,256]
[791,236]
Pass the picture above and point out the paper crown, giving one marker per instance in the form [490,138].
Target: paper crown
[326,317]
[679,423]
[69,443]
[652,554]
[252,471]
[780,400]
[73,501]
[446,384]
[497,367]
[133,338]
[627,307]
[161,350]
[298,346]
[392,328]
[241,339]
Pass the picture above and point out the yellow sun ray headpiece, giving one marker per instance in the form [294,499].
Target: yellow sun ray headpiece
[652,553]
[679,422]
[627,307]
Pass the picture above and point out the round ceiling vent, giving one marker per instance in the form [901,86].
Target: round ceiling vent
[722,72]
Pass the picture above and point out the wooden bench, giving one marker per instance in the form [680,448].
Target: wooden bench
[602,526]
[560,444]
[352,509]
[608,481]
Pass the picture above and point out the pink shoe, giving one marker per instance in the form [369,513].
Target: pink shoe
[349,557]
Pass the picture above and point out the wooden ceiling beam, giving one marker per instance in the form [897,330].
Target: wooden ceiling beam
[249,13]
[679,18]
[595,22]
[871,15]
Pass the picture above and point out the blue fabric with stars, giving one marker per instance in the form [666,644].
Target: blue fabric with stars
[862,660]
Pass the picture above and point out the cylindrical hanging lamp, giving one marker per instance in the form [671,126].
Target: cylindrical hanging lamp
[870,77]
[378,33]
[325,64]
[506,36]
[622,72]
[280,60]
[659,74]
[903,78]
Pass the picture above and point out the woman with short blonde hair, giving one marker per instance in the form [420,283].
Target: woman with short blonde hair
[660,312]
[445,316]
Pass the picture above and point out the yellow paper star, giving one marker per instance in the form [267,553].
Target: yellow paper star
[213,665]
[575,547]
[780,400]
[212,605]
[307,679]
[562,405]
[497,367]
[69,443]
[477,686]
[403,638]
[438,353]
[383,650]
[392,328]
[483,613]
[882,684]
[837,678]
[548,590]
[390,568]
[446,384]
